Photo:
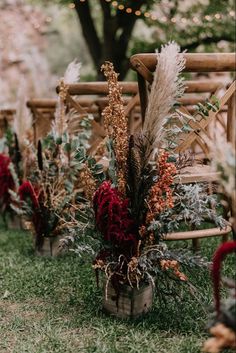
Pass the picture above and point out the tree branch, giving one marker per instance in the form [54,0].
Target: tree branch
[89,30]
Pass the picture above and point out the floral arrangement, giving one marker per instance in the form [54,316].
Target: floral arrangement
[10,162]
[140,201]
[48,196]
[6,182]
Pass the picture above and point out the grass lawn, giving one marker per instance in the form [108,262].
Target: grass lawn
[53,306]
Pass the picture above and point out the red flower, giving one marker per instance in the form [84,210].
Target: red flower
[6,180]
[113,218]
[28,190]
[219,255]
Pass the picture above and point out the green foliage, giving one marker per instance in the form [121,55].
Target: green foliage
[209,105]
[197,32]
[112,162]
[192,208]
[205,33]
[58,309]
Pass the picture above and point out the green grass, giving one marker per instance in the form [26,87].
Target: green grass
[53,306]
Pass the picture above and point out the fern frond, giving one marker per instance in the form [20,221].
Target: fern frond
[72,73]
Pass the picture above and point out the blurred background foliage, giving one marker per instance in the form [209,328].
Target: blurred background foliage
[114,30]
[97,30]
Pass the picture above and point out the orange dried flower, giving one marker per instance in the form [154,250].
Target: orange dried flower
[173,265]
[160,196]
[87,182]
[116,124]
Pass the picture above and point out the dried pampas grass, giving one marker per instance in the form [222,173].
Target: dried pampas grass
[166,88]
[23,120]
[71,76]
[72,73]
[59,125]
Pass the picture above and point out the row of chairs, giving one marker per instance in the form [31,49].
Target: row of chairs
[90,98]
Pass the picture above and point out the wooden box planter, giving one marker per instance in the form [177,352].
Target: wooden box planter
[129,302]
[50,247]
[15,223]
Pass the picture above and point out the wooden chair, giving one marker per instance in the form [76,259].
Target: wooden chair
[144,65]
[99,91]
[6,119]
[43,112]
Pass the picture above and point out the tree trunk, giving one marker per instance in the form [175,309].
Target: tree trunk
[117,31]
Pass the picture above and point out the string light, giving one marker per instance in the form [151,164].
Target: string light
[153,17]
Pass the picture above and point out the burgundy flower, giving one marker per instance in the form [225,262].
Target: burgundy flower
[113,218]
[28,190]
[219,255]
[6,179]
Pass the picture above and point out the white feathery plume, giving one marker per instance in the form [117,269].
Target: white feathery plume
[166,88]
[59,125]
[72,73]
[23,120]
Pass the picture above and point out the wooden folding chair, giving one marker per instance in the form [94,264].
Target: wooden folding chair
[43,112]
[144,65]
[99,91]
[6,119]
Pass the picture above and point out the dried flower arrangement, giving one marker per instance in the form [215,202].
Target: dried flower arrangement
[48,197]
[10,162]
[140,201]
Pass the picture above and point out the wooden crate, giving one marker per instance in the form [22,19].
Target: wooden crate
[14,222]
[50,247]
[129,302]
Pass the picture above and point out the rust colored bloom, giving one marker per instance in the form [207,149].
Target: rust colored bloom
[88,182]
[116,123]
[160,195]
[174,266]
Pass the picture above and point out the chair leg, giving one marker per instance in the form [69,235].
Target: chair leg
[225,238]
[196,245]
